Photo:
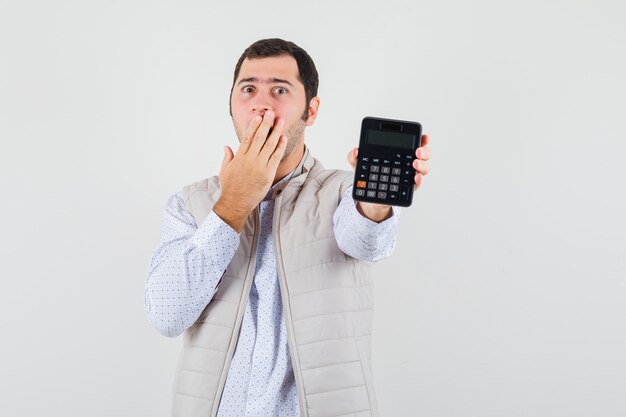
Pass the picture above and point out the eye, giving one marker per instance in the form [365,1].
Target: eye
[280,90]
[247,89]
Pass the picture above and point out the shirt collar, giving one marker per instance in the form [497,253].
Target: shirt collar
[278,187]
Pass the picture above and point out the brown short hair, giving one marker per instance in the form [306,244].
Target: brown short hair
[276,47]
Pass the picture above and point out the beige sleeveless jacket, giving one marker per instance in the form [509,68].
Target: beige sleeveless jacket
[326,295]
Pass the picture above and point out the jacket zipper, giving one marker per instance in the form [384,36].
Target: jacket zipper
[242,305]
[280,269]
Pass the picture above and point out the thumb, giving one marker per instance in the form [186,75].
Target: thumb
[228,156]
[352,157]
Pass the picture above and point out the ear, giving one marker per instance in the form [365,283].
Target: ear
[314,105]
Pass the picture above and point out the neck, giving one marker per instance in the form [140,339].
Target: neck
[289,163]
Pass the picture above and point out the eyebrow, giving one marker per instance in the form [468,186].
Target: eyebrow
[266,81]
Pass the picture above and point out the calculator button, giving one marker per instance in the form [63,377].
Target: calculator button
[384,178]
[363,167]
[396,171]
[397,163]
[373,177]
[407,172]
[408,156]
[371,194]
[393,188]
[404,194]
[383,187]
[361,184]
[386,161]
[393,196]
[375,160]
[362,176]
[408,164]
[395,180]
[365,159]
[382,194]
[398,156]
[385,170]
[374,168]
[406,181]
[360,192]
[372,185]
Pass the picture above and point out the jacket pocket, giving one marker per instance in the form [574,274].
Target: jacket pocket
[363,347]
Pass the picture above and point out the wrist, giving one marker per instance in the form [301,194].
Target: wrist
[233,217]
[374,212]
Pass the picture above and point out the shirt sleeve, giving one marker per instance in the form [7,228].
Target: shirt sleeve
[186,267]
[360,237]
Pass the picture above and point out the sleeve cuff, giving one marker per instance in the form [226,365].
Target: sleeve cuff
[363,221]
[361,237]
[214,229]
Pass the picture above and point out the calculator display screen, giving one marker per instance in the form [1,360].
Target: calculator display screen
[395,139]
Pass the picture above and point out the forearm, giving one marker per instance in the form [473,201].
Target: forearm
[359,236]
[184,272]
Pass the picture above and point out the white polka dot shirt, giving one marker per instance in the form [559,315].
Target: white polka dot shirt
[184,273]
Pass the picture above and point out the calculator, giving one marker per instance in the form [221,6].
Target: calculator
[384,170]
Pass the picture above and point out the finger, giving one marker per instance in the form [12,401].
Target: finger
[278,153]
[352,155]
[261,133]
[249,134]
[423,153]
[420,166]
[228,156]
[272,140]
[418,181]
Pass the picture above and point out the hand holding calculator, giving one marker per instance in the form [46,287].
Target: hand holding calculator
[384,169]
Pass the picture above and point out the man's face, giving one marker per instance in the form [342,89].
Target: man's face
[270,84]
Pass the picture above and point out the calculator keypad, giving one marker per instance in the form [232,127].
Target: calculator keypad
[388,179]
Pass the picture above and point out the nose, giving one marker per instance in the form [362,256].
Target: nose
[261,104]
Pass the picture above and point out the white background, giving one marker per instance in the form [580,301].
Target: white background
[506,295]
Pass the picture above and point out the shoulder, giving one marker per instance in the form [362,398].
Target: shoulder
[326,185]
[330,177]
[200,197]
[206,185]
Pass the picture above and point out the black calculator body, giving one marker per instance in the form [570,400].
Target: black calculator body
[384,170]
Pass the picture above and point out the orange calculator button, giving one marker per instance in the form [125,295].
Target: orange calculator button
[361,184]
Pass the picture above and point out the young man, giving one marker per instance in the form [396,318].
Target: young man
[265,268]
